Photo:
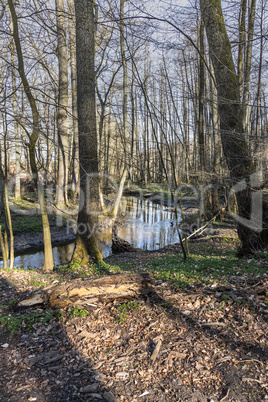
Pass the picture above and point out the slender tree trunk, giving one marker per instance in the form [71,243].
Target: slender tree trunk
[125,117]
[62,115]
[48,263]
[201,134]
[7,252]
[217,146]
[16,126]
[242,42]
[75,150]
[247,69]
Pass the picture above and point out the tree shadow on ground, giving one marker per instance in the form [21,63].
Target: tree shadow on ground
[42,365]
[232,375]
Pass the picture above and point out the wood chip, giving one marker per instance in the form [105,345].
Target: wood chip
[157,348]
[89,388]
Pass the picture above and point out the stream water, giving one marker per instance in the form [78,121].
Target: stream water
[147,225]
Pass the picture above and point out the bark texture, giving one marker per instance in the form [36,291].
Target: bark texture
[233,140]
[48,263]
[84,292]
[62,116]
[89,204]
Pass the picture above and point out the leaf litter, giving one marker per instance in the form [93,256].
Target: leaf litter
[207,342]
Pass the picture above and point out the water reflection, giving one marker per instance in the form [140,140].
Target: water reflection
[147,226]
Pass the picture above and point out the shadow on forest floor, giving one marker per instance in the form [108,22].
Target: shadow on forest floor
[200,342]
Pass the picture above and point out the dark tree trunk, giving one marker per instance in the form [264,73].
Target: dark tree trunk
[86,247]
[251,232]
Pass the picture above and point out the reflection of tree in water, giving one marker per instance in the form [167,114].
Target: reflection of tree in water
[149,227]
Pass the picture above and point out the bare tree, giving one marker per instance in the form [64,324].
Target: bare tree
[62,115]
[86,246]
[33,138]
[233,140]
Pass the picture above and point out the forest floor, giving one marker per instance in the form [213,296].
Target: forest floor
[201,335]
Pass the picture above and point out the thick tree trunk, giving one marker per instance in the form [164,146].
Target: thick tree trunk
[86,292]
[89,204]
[233,140]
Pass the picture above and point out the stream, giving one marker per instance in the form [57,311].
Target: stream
[147,226]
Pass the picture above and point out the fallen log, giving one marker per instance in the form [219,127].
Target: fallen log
[85,292]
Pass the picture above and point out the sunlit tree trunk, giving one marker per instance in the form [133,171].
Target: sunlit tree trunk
[62,115]
[216,144]
[247,67]
[201,94]
[242,42]
[75,145]
[48,263]
[119,193]
[16,126]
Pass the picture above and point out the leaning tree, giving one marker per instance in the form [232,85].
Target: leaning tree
[253,211]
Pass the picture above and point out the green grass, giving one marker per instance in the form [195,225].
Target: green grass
[206,265]
[77,312]
[75,270]
[26,216]
[125,309]
[24,323]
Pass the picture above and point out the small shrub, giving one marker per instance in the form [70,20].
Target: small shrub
[77,312]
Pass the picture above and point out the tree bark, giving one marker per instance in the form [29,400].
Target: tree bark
[201,93]
[75,147]
[86,247]
[233,140]
[62,116]
[86,292]
[48,263]
[247,68]
[16,126]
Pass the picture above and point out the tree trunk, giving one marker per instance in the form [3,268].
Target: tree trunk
[242,42]
[233,141]
[247,68]
[62,116]
[217,146]
[86,246]
[118,196]
[16,126]
[48,263]
[75,150]
[201,134]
